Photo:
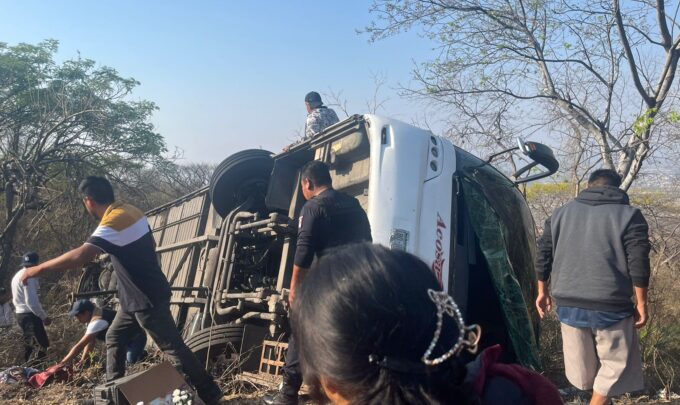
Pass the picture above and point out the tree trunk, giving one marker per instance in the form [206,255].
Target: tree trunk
[7,245]
[630,166]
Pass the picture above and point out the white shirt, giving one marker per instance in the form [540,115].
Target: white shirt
[25,297]
[6,315]
[96,326]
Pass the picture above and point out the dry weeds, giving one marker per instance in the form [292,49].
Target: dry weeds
[660,339]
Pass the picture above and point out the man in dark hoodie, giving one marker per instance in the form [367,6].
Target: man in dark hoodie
[595,253]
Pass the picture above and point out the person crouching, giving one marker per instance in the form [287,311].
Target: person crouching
[98,321]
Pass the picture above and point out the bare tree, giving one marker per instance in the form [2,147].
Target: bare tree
[337,101]
[599,71]
[374,104]
[377,101]
[165,181]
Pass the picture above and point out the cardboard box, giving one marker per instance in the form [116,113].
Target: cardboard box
[151,387]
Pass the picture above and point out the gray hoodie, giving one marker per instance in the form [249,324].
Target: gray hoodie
[593,250]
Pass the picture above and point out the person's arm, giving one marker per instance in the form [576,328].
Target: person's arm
[305,248]
[544,254]
[544,300]
[299,274]
[72,259]
[637,246]
[82,344]
[544,259]
[86,351]
[33,301]
[641,315]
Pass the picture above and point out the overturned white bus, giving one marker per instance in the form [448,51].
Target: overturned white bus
[227,250]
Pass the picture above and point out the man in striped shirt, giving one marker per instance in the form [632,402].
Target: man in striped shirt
[143,290]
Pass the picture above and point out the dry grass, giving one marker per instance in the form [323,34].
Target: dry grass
[63,333]
[660,339]
[661,345]
[54,394]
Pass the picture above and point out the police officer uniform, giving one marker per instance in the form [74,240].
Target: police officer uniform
[327,220]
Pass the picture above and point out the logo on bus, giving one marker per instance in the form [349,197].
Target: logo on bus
[438,263]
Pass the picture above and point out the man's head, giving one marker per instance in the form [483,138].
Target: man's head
[603,178]
[315,178]
[30,259]
[82,310]
[313,101]
[97,195]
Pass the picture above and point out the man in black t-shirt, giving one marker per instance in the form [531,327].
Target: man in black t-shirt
[328,219]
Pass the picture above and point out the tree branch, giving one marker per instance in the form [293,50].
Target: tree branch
[629,55]
[663,25]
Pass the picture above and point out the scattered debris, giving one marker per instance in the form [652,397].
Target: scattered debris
[664,395]
[17,374]
[161,384]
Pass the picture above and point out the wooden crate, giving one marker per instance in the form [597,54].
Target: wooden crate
[272,360]
[273,357]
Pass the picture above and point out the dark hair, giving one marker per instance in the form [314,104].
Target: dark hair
[604,177]
[317,173]
[97,188]
[362,300]
[314,99]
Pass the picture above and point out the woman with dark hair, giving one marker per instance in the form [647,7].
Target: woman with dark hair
[374,328]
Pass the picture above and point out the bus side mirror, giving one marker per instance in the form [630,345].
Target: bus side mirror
[541,155]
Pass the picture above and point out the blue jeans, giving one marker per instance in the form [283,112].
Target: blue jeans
[135,349]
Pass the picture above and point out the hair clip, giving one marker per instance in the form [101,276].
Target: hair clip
[468,336]
[396,364]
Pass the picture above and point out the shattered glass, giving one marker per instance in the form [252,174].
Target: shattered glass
[504,227]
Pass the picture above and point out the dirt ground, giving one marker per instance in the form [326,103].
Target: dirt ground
[65,332]
[70,394]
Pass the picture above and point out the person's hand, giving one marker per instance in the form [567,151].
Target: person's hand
[30,272]
[641,316]
[47,321]
[543,304]
[291,296]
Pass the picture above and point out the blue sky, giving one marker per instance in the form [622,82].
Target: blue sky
[227,75]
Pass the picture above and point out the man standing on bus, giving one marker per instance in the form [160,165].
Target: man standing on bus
[319,117]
